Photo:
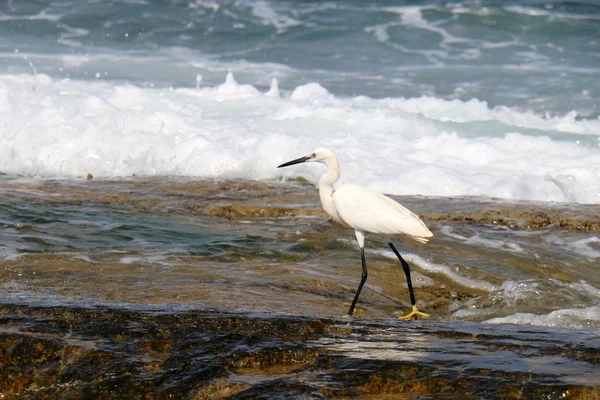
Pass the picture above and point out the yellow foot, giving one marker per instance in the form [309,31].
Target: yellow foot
[414,314]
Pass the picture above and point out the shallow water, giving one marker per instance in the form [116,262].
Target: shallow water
[269,246]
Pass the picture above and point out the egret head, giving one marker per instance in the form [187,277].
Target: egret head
[321,155]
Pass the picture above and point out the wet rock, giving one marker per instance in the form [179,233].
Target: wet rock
[115,353]
[244,244]
[244,211]
[248,199]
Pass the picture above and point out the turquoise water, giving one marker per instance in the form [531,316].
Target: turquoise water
[473,98]
[539,55]
[95,230]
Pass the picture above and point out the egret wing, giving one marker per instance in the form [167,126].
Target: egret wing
[368,211]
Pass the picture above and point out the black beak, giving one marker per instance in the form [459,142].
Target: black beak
[296,161]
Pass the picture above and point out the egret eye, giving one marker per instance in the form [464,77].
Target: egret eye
[314,155]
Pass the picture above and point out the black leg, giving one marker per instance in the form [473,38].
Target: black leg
[415,312]
[363,279]
[406,269]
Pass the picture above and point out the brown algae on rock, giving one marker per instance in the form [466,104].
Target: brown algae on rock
[116,353]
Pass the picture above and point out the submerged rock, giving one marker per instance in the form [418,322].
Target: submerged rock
[269,246]
[118,353]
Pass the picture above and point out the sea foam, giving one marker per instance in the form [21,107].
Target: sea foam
[587,317]
[534,301]
[425,145]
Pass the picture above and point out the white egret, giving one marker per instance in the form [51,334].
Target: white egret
[366,211]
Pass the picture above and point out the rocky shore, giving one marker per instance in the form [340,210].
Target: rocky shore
[170,288]
[153,353]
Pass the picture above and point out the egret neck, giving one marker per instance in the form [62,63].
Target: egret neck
[326,187]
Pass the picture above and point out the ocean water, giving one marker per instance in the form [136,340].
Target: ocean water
[480,98]
[496,99]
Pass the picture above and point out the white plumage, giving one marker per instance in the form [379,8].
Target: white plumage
[366,211]
[371,212]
